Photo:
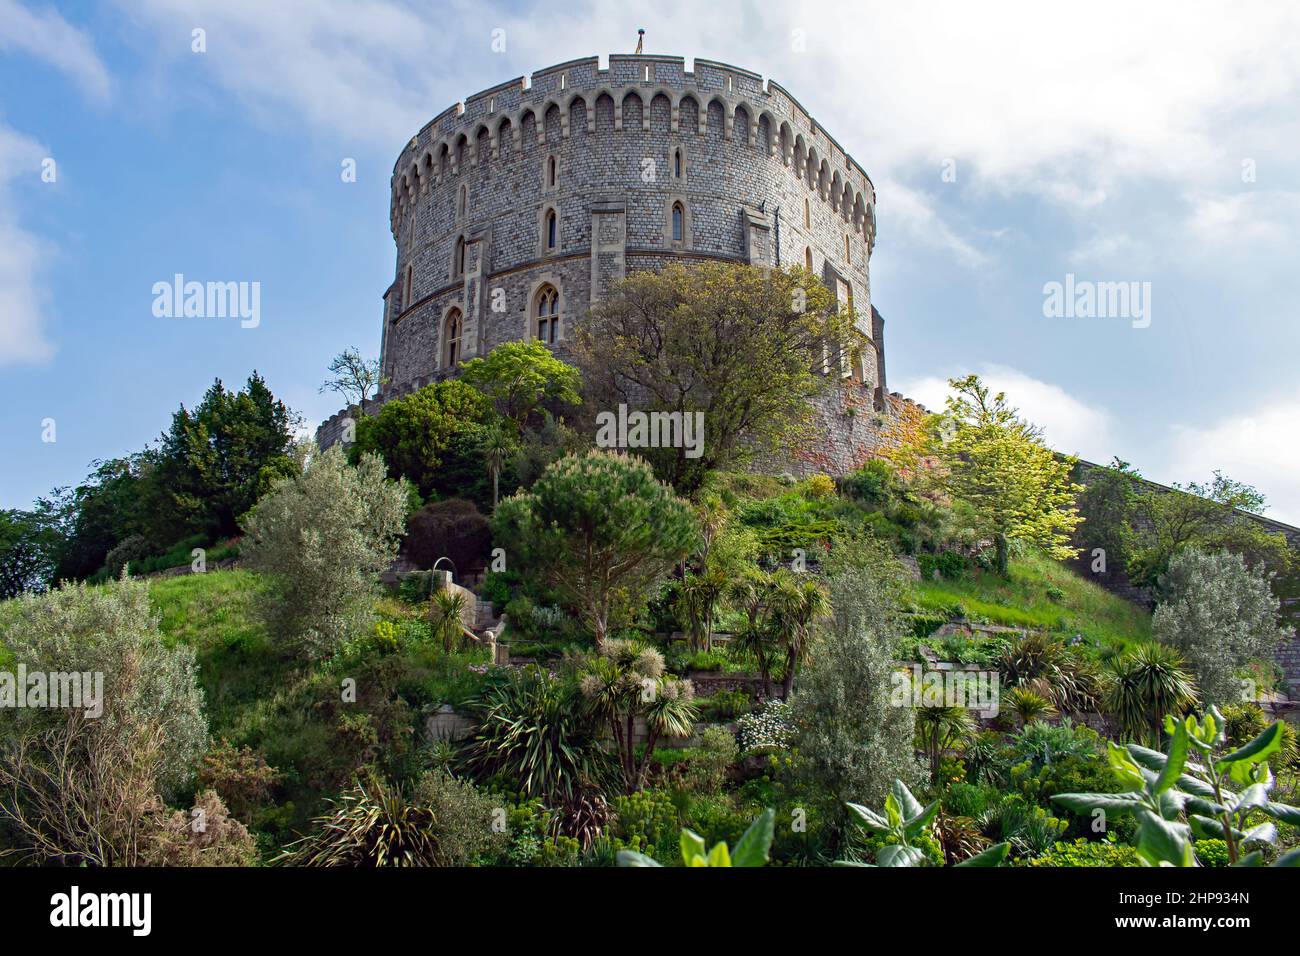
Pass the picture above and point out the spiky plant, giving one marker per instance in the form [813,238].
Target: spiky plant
[371,825]
[939,729]
[1067,680]
[1148,683]
[1028,705]
[797,606]
[446,611]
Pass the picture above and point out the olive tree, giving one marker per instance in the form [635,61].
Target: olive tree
[1220,615]
[322,538]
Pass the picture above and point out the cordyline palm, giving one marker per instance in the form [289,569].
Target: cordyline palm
[796,606]
[625,681]
[496,448]
[749,593]
[697,603]
[446,610]
[939,729]
[1148,683]
[1028,705]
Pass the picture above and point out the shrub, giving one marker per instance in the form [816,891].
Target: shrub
[322,538]
[240,776]
[946,564]
[725,704]
[771,726]
[125,551]
[444,823]
[1208,852]
[451,529]
[206,835]
[821,486]
[646,821]
[1088,853]
[538,733]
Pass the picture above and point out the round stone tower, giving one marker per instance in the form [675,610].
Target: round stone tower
[515,209]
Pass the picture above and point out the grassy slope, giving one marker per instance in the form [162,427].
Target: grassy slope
[1022,601]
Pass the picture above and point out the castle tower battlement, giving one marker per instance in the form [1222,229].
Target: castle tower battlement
[514,210]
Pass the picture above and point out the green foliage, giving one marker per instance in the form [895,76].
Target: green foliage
[355,377]
[997,463]
[452,529]
[432,437]
[601,530]
[443,822]
[322,538]
[211,463]
[1186,792]
[520,376]
[947,564]
[446,616]
[1147,683]
[1083,852]
[624,681]
[1211,852]
[904,827]
[537,733]
[1220,615]
[736,342]
[751,850]
[27,552]
[646,821]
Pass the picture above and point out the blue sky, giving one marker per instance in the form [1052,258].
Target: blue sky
[1010,146]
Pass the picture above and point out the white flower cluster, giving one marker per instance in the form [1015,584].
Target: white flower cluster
[770,726]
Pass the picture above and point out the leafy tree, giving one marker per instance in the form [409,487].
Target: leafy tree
[625,681]
[211,463]
[354,377]
[1108,504]
[1220,615]
[1016,487]
[852,741]
[431,437]
[938,730]
[797,606]
[739,343]
[600,529]
[322,538]
[27,553]
[1210,517]
[520,376]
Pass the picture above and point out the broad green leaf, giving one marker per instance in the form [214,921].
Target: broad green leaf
[1282,811]
[719,856]
[1290,858]
[1085,803]
[692,845]
[752,848]
[896,855]
[633,858]
[1173,767]
[922,820]
[1125,768]
[908,805]
[1261,748]
[1163,842]
[993,856]
[869,818]
[1264,833]
[1251,859]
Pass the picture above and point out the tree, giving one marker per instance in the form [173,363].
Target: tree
[625,681]
[497,447]
[211,464]
[852,741]
[322,538]
[1147,683]
[77,786]
[27,553]
[431,437]
[1108,504]
[452,529]
[1220,615]
[520,376]
[354,377]
[1016,487]
[797,605]
[742,344]
[601,529]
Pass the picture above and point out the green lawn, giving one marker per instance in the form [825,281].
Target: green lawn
[1022,600]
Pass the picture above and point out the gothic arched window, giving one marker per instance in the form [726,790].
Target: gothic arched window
[807,258]
[451,339]
[458,258]
[679,222]
[547,310]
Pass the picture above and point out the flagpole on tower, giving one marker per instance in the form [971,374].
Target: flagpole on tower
[640,40]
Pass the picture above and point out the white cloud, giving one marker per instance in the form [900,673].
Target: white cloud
[47,36]
[23,304]
[1069,425]
[1257,446]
